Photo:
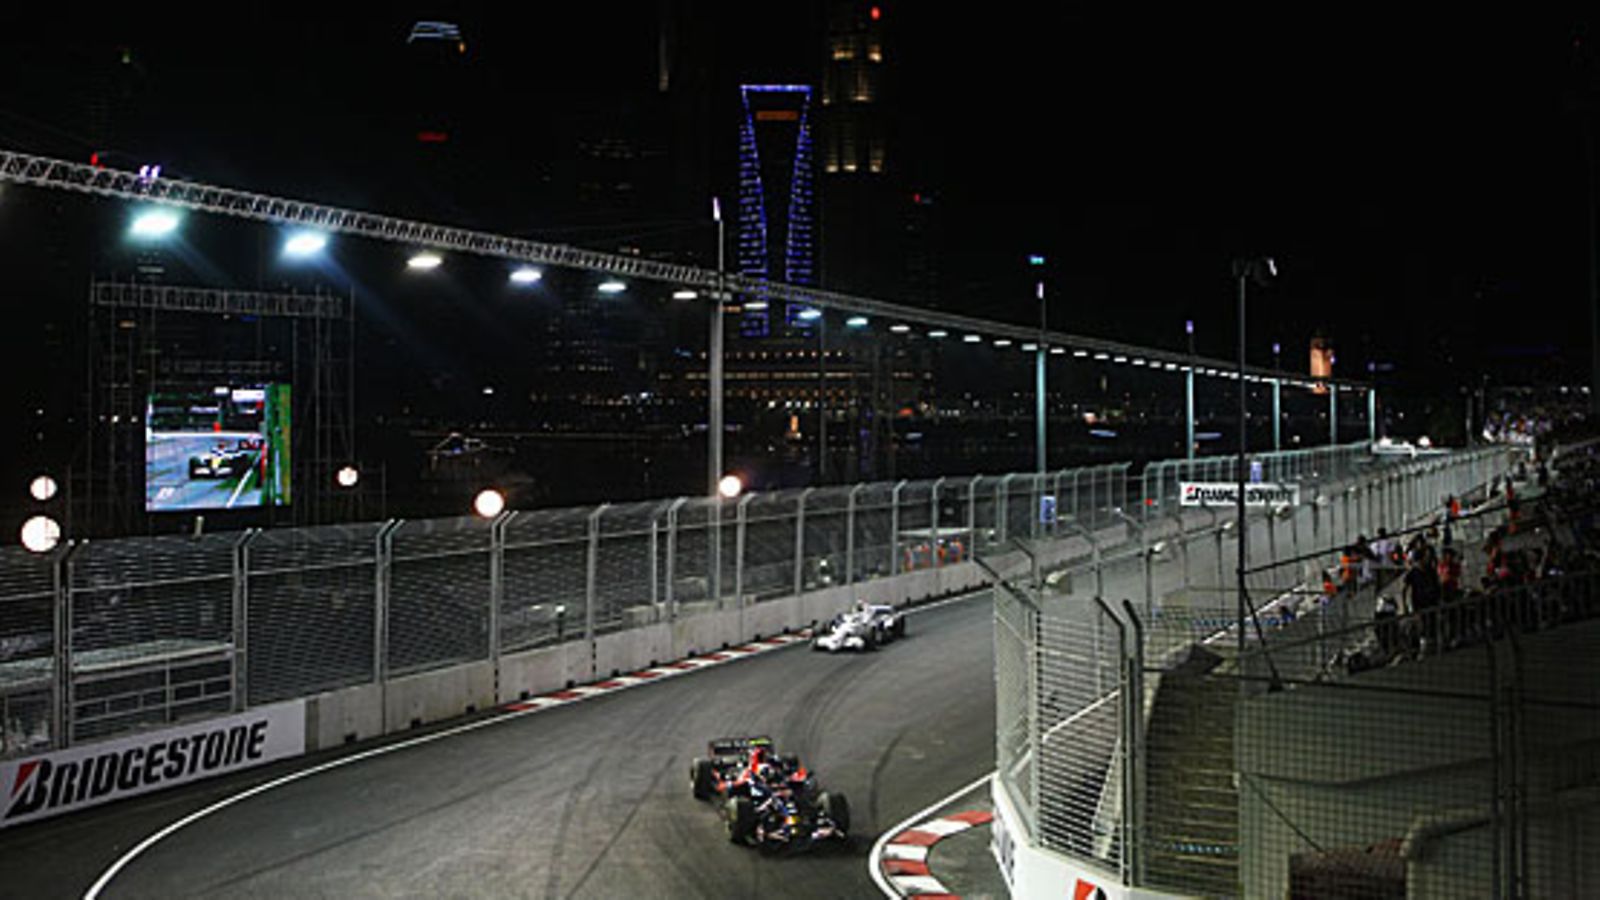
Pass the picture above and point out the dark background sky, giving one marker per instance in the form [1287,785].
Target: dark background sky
[1420,179]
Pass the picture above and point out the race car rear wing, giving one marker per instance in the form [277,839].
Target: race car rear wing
[736,745]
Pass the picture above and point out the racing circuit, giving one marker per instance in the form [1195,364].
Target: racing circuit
[588,799]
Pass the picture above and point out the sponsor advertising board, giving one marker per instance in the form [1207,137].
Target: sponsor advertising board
[1217,493]
[80,777]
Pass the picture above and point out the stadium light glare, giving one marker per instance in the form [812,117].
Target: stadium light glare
[348,477]
[489,503]
[154,223]
[40,534]
[305,243]
[43,488]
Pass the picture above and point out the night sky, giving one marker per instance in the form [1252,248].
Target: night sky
[1420,180]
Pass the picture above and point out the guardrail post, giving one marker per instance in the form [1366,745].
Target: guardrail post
[61,713]
[800,542]
[1122,484]
[497,587]
[972,513]
[383,551]
[1124,717]
[894,527]
[1134,736]
[741,515]
[655,568]
[935,558]
[850,538]
[590,588]
[672,558]
[1002,510]
[241,619]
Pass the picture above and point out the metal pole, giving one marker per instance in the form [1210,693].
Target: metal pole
[850,535]
[1241,465]
[1372,414]
[241,619]
[714,457]
[1188,395]
[933,526]
[1333,415]
[972,514]
[672,556]
[738,560]
[590,589]
[1277,414]
[497,588]
[1038,388]
[894,527]
[800,543]
[380,619]
[1002,502]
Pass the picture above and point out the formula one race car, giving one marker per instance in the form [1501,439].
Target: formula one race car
[220,463]
[865,627]
[767,800]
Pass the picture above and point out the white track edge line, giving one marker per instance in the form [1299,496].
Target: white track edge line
[874,859]
[133,853]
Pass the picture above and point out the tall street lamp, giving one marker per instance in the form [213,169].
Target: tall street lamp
[1037,262]
[1260,270]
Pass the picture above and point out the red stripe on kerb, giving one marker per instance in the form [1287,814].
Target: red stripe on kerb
[609,685]
[680,666]
[647,674]
[564,695]
[973,817]
[916,838]
[934,897]
[904,867]
[716,657]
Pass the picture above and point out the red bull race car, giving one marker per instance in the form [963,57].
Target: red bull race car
[766,799]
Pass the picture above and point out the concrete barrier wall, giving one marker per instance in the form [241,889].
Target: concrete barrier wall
[546,669]
[342,716]
[413,700]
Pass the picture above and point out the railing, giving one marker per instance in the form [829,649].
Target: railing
[1074,646]
[108,636]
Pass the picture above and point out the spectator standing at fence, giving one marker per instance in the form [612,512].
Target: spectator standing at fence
[1422,594]
[1385,551]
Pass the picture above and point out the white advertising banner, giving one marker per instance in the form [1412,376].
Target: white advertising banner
[80,777]
[1220,493]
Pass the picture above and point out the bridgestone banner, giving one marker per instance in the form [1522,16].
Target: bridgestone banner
[81,777]
[1204,493]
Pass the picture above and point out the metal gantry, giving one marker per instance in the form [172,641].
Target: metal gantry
[58,174]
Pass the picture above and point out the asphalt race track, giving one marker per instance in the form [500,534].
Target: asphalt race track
[585,800]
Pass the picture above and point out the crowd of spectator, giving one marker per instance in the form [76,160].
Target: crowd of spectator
[1528,566]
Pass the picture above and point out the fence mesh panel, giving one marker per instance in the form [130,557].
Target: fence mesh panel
[544,578]
[27,650]
[769,545]
[825,525]
[1014,670]
[311,600]
[873,527]
[623,589]
[439,593]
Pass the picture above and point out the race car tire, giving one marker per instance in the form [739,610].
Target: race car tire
[900,627]
[741,819]
[836,808]
[702,778]
[194,468]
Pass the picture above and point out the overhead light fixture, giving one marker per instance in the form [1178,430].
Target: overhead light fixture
[684,295]
[1102,357]
[527,275]
[810,315]
[154,223]
[1120,359]
[612,287]
[856,321]
[938,334]
[1003,342]
[900,329]
[972,339]
[1058,351]
[305,243]
[1080,354]
[1030,348]
[423,262]
[755,306]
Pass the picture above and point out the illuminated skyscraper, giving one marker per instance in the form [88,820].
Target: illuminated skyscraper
[777,215]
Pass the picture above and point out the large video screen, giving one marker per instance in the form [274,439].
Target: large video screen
[217,447]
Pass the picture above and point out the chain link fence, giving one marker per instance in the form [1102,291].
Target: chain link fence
[111,636]
[1119,676]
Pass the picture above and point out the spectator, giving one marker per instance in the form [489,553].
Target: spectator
[1421,591]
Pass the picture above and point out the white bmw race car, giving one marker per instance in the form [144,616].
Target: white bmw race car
[865,627]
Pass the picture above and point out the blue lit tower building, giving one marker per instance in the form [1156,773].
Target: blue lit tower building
[777,211]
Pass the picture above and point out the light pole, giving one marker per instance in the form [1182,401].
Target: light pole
[1277,398]
[1037,261]
[1260,270]
[1188,396]
[714,461]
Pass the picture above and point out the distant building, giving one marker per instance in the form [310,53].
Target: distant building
[777,221]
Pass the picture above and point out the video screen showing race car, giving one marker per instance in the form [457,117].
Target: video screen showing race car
[217,447]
